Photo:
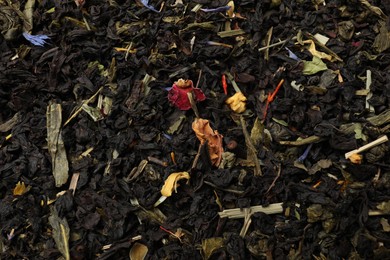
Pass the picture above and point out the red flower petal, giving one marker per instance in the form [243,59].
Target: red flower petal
[178,96]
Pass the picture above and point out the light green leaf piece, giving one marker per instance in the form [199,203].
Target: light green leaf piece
[51,10]
[280,122]
[358,132]
[257,132]
[60,232]
[60,165]
[93,112]
[177,125]
[314,66]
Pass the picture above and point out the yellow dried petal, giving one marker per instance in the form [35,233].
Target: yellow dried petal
[171,184]
[20,189]
[237,102]
[312,49]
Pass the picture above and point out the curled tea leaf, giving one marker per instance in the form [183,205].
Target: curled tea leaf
[10,24]
[171,183]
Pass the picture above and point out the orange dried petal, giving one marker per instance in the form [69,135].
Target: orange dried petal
[205,133]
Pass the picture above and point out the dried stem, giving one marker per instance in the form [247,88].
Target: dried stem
[247,222]
[275,208]
[193,104]
[234,84]
[276,44]
[368,146]
[308,140]
[196,159]
[276,178]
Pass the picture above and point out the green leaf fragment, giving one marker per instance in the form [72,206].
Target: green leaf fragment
[60,165]
[60,232]
[314,66]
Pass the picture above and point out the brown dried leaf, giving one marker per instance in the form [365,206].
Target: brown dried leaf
[138,252]
[171,184]
[210,245]
[205,133]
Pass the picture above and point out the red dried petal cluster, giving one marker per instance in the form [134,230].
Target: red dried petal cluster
[177,95]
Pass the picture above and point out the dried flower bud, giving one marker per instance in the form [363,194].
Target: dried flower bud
[356,158]
[237,102]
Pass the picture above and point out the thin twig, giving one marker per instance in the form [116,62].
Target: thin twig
[198,81]
[378,141]
[277,177]
[276,44]
[238,192]
[196,159]
[234,83]
[275,208]
[81,106]
[308,140]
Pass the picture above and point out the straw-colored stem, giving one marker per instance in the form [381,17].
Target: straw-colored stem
[275,208]
[368,146]
[234,84]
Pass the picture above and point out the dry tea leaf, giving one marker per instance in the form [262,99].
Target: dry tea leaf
[385,225]
[384,206]
[321,164]
[210,245]
[171,184]
[56,144]
[60,232]
[10,26]
[138,251]
[205,133]
[314,66]
[21,189]
[356,158]
[346,29]
[237,102]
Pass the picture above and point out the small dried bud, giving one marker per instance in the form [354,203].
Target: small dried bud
[231,145]
[356,158]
